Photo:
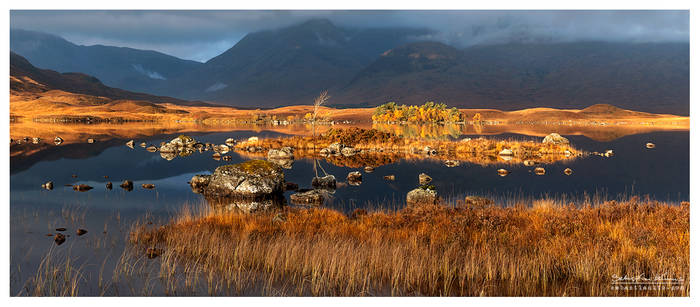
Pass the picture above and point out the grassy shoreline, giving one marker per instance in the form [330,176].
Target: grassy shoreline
[540,249]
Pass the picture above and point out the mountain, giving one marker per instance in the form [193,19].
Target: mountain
[651,77]
[26,78]
[289,65]
[126,68]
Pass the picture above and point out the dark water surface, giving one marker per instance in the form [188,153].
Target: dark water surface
[661,173]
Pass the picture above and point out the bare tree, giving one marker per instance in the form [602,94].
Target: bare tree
[320,100]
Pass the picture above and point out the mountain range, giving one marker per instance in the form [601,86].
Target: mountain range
[367,67]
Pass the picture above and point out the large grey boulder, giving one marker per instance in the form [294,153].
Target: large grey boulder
[421,196]
[555,138]
[249,179]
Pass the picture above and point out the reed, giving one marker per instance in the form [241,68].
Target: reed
[543,248]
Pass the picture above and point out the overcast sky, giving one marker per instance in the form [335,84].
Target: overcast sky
[201,35]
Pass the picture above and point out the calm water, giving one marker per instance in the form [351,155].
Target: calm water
[661,173]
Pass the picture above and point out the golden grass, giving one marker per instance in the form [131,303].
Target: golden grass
[546,249]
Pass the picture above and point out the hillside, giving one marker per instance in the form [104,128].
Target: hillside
[26,78]
[647,77]
[125,68]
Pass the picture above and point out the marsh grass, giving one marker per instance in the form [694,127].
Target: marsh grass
[542,248]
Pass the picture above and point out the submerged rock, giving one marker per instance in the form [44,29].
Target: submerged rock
[390,177]
[555,138]
[421,196]
[325,182]
[48,185]
[311,197]
[539,171]
[250,179]
[82,188]
[354,178]
[59,238]
[127,185]
[424,179]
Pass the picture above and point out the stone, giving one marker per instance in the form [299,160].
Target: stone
[609,153]
[451,163]
[555,139]
[369,169]
[168,155]
[349,151]
[148,186]
[168,148]
[226,158]
[130,144]
[61,229]
[502,172]
[108,185]
[199,182]
[424,179]
[253,139]
[529,163]
[59,238]
[464,140]
[324,151]
[80,231]
[325,182]
[568,171]
[152,148]
[421,196]
[390,177]
[505,152]
[539,171]
[429,151]
[36,140]
[127,185]
[82,188]
[57,140]
[48,185]
[336,148]
[91,141]
[651,145]
[143,144]
[230,142]
[216,156]
[222,149]
[249,179]
[354,178]
[311,197]
[282,153]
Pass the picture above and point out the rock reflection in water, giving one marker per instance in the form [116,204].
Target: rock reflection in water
[248,205]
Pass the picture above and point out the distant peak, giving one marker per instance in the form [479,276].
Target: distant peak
[317,22]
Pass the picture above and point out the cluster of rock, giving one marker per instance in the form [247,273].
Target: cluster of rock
[339,149]
[424,194]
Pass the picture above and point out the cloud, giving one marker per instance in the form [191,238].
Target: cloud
[200,35]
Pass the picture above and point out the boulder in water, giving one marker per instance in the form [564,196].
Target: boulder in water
[424,179]
[249,179]
[555,139]
[312,197]
[421,196]
[130,144]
